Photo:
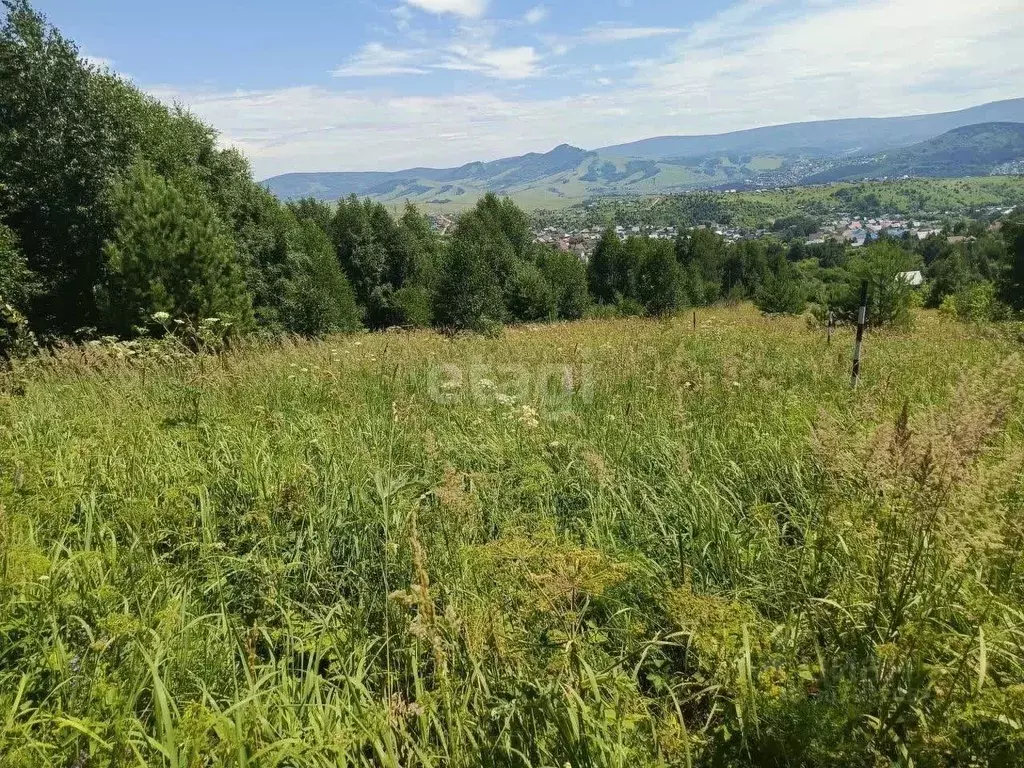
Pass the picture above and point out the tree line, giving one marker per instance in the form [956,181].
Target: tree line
[116,209]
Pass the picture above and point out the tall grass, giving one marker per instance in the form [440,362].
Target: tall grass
[709,551]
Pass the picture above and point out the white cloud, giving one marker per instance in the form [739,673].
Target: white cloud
[471,9]
[98,62]
[611,33]
[500,63]
[536,15]
[375,60]
[757,63]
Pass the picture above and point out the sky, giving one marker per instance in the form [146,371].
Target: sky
[330,85]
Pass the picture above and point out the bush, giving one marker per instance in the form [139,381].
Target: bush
[975,303]
[530,297]
[412,305]
[780,295]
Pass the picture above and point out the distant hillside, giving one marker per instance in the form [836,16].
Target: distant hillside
[779,156]
[415,183]
[823,137]
[974,150]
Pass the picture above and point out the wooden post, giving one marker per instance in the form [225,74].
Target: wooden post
[831,326]
[695,321]
[859,345]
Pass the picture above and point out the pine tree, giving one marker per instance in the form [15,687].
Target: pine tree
[780,291]
[170,253]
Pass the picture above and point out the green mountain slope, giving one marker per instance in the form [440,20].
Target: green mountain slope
[974,150]
[781,156]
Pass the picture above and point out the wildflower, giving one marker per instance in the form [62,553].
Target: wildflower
[487,385]
[211,320]
[527,416]
[161,317]
[304,370]
[451,385]
[736,384]
[506,400]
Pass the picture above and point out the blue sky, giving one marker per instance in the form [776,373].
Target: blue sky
[384,84]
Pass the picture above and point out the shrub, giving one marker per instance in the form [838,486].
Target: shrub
[530,296]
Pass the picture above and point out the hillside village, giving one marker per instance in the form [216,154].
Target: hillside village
[843,227]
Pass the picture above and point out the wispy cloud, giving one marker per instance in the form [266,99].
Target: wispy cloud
[536,15]
[757,63]
[471,9]
[376,60]
[501,63]
[613,33]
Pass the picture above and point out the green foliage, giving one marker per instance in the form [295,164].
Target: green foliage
[702,551]
[17,283]
[413,307]
[1011,284]
[781,291]
[468,295]
[702,253]
[601,269]
[530,296]
[659,281]
[170,253]
[568,280]
[888,295]
[318,298]
[382,257]
[974,303]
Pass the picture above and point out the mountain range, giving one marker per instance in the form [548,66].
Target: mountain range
[976,141]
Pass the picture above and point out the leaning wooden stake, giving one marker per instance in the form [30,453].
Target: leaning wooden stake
[859,345]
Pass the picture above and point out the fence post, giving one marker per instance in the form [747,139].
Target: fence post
[695,321]
[831,326]
[861,320]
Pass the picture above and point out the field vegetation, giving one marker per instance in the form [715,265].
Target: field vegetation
[605,543]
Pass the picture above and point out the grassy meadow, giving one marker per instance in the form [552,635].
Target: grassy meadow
[606,543]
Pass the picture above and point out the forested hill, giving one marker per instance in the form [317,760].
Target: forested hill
[974,150]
